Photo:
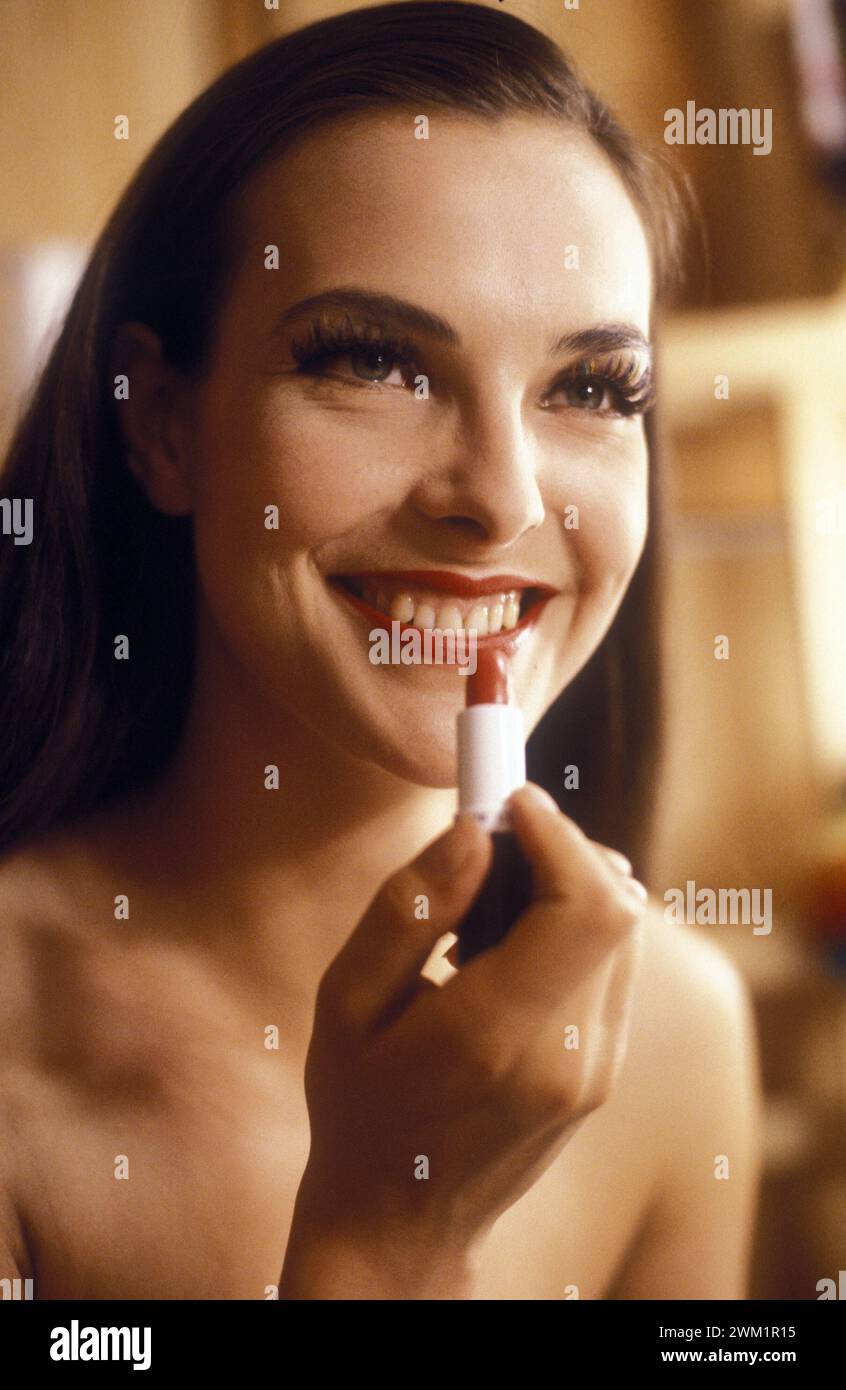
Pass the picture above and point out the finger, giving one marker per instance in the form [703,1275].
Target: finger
[614,857]
[565,863]
[582,909]
[379,965]
[541,797]
[619,863]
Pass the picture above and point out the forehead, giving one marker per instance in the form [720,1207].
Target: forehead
[480,218]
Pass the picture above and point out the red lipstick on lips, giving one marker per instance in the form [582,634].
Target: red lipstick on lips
[492,765]
[462,586]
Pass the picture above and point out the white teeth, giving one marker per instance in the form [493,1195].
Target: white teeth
[477,619]
[449,619]
[424,616]
[402,608]
[488,616]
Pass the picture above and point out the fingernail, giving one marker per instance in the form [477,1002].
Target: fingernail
[539,799]
[447,854]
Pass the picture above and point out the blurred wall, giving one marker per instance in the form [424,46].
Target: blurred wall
[67,68]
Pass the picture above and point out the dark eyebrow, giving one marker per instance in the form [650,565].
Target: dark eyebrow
[383,309]
[604,338]
[390,312]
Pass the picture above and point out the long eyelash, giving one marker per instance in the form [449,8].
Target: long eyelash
[633,386]
[324,342]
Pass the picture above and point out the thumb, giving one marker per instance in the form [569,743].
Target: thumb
[383,957]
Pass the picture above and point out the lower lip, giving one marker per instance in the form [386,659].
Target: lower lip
[508,639]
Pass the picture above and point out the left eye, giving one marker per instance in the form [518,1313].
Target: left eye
[370,364]
[587,392]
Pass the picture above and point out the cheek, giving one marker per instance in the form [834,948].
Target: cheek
[612,496]
[322,470]
[322,475]
[615,539]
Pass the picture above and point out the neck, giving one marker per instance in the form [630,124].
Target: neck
[277,878]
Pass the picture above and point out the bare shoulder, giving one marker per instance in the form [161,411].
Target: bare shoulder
[40,884]
[696,1071]
[688,988]
[28,900]
[50,965]
[70,983]
[93,995]
[693,1031]
[686,953]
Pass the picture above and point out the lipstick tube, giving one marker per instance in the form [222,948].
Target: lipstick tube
[492,765]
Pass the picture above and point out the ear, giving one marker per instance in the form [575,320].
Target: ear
[153,413]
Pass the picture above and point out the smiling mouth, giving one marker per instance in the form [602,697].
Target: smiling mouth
[427,602]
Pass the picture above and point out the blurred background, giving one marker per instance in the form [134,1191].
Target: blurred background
[753,793]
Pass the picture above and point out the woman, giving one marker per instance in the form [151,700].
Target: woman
[377,304]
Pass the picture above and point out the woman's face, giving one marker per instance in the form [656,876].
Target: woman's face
[519,236]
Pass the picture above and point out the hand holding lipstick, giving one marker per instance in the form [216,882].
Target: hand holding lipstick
[473,1076]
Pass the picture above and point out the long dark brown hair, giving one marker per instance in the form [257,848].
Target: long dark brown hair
[77,727]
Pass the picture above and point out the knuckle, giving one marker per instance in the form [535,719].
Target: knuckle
[620,911]
[615,857]
[600,892]
[629,910]
[483,1063]
[396,897]
[471,1039]
[541,1096]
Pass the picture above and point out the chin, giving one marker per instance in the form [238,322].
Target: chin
[422,772]
[427,756]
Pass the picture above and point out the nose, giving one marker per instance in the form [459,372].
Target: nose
[486,487]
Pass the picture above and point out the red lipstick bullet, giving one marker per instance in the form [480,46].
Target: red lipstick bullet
[492,765]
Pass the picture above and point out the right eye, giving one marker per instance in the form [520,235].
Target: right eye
[372,361]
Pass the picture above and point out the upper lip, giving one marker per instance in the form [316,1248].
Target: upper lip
[451,582]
